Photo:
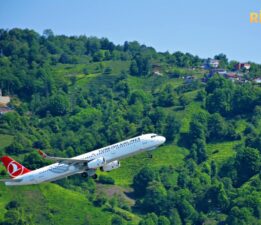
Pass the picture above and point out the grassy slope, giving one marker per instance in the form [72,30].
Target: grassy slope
[68,70]
[52,204]
[5,140]
[219,152]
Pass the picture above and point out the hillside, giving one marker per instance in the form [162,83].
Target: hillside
[51,204]
[71,95]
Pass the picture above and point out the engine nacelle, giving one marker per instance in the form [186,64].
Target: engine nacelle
[96,163]
[111,166]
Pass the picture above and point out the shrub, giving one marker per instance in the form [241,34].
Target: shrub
[106,180]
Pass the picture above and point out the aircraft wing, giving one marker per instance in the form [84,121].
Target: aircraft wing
[10,180]
[61,159]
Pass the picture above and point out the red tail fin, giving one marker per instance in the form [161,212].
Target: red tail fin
[14,168]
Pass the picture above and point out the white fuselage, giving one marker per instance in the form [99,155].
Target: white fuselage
[110,153]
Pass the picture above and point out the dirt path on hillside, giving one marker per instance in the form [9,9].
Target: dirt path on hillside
[112,190]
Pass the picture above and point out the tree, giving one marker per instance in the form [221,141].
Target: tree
[187,211]
[197,130]
[247,164]
[213,169]
[217,128]
[65,58]
[253,140]
[14,148]
[12,205]
[106,44]
[100,200]
[34,161]
[174,217]
[215,198]
[93,45]
[98,56]
[244,99]
[163,220]
[197,138]
[217,82]
[107,70]
[13,217]
[193,152]
[183,179]
[223,61]
[123,88]
[139,66]
[48,33]
[155,198]
[85,71]
[116,220]
[58,105]
[142,179]
[172,127]
[150,219]
[240,216]
[135,114]
[201,95]
[220,101]
[134,70]
[106,180]
[20,144]
[167,97]
[73,80]
[184,101]
[201,151]
[139,96]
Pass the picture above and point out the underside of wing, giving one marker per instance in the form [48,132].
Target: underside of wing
[10,180]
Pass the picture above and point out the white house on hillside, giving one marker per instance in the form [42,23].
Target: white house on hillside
[211,63]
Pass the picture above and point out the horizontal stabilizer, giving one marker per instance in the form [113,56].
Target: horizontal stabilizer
[10,180]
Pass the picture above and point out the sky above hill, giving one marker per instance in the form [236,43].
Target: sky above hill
[204,28]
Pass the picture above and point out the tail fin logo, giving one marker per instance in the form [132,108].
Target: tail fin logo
[14,169]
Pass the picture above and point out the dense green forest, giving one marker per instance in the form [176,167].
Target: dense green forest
[71,95]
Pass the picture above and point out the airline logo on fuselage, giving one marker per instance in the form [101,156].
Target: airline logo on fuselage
[119,145]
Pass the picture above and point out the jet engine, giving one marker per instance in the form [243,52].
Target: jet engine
[96,163]
[111,166]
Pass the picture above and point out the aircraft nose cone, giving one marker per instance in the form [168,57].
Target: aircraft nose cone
[162,139]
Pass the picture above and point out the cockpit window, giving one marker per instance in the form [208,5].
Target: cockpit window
[153,136]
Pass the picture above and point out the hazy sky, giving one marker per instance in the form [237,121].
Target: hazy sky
[202,27]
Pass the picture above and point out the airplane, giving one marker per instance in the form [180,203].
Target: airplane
[106,158]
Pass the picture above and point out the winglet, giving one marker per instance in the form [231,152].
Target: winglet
[42,153]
